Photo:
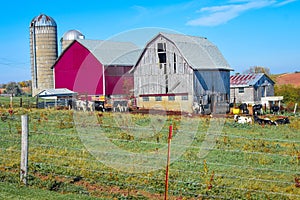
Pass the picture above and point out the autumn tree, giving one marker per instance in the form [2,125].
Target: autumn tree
[25,83]
[290,93]
[22,84]
[258,69]
[13,88]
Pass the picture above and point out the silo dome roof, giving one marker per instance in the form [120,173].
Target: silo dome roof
[42,20]
[72,35]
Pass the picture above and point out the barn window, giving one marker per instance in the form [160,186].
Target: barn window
[175,64]
[185,98]
[161,51]
[145,98]
[161,47]
[171,98]
[241,90]
[158,98]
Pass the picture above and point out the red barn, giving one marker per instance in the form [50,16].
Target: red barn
[96,67]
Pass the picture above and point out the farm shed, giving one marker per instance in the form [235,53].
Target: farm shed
[55,97]
[56,93]
[250,88]
[96,67]
[182,73]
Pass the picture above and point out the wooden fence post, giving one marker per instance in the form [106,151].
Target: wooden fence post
[11,101]
[24,149]
[21,102]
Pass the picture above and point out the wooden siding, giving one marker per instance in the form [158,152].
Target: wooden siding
[152,77]
[251,94]
[173,77]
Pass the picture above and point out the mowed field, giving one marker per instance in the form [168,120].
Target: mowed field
[124,156]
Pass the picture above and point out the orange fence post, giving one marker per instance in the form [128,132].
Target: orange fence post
[168,162]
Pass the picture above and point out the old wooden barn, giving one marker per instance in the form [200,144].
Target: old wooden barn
[96,68]
[182,73]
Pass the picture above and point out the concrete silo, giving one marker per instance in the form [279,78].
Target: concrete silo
[69,37]
[43,52]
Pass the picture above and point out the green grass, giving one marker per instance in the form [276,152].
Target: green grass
[26,101]
[11,191]
[242,161]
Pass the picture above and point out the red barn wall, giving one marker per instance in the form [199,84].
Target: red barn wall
[118,80]
[78,70]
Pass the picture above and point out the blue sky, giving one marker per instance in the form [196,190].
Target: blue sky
[248,32]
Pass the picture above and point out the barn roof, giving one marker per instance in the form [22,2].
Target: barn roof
[56,92]
[112,52]
[199,52]
[244,80]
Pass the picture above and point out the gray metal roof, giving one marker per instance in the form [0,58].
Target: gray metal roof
[42,20]
[199,52]
[112,52]
[56,92]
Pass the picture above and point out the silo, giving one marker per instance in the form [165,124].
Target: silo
[69,37]
[43,52]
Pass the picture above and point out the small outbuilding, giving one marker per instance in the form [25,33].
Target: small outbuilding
[55,97]
[251,88]
[182,73]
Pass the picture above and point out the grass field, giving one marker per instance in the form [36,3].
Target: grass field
[15,191]
[123,156]
[16,101]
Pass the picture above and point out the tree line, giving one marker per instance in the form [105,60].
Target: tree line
[290,93]
[16,88]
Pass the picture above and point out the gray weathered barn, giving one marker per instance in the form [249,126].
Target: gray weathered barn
[250,88]
[182,73]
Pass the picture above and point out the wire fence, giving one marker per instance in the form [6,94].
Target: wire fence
[244,162]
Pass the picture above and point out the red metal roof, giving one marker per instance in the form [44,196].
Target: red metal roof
[245,79]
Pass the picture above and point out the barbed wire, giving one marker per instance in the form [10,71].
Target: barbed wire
[216,134]
[176,145]
[175,181]
[12,150]
[204,133]
[175,170]
[186,161]
[14,141]
[153,143]
[211,149]
[185,174]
